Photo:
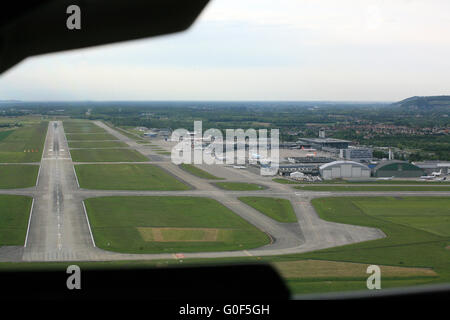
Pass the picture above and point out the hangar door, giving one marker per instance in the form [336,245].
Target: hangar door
[327,174]
[346,170]
[336,172]
[356,172]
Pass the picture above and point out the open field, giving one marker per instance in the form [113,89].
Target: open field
[376,182]
[81,127]
[14,214]
[417,232]
[18,176]
[127,224]
[198,172]
[345,188]
[107,155]
[23,144]
[278,209]
[89,136]
[408,256]
[97,144]
[126,177]
[239,186]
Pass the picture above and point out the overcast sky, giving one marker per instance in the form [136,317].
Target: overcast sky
[261,50]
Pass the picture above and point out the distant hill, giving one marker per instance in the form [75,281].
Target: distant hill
[424,103]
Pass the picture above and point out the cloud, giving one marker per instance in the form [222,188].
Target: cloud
[261,49]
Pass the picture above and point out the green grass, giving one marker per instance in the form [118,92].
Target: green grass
[81,127]
[24,144]
[126,177]
[97,144]
[5,134]
[373,188]
[239,186]
[89,136]
[278,209]
[107,155]
[18,176]
[114,222]
[198,172]
[414,238]
[285,181]
[14,214]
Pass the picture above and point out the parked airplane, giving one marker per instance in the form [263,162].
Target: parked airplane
[310,149]
[427,177]
[387,178]
[436,174]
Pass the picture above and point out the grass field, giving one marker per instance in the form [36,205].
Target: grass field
[198,172]
[345,188]
[14,214]
[239,186]
[18,176]
[126,177]
[97,144]
[418,236]
[81,127]
[24,144]
[169,224]
[89,136]
[4,134]
[278,209]
[107,155]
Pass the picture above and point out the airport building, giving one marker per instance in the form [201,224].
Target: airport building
[344,169]
[397,169]
[310,159]
[305,168]
[357,154]
[320,143]
[434,166]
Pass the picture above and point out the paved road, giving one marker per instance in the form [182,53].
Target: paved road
[59,229]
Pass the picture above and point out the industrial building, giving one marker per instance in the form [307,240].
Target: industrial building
[344,169]
[398,169]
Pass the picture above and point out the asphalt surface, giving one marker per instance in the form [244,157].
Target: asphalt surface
[59,229]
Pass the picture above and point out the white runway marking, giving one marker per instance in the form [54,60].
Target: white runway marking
[89,225]
[29,222]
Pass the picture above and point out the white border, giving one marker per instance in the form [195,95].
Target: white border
[39,172]
[89,225]
[76,177]
[29,223]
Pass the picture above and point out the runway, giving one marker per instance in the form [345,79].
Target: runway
[59,229]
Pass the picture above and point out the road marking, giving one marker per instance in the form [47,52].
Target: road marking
[89,225]
[248,253]
[39,174]
[29,222]
[76,177]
